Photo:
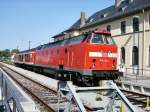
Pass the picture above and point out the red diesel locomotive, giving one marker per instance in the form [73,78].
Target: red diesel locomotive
[87,56]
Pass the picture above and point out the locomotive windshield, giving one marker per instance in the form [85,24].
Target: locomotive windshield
[102,39]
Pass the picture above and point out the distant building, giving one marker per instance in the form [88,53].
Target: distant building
[129,23]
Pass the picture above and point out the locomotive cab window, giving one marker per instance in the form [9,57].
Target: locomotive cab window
[97,38]
[102,39]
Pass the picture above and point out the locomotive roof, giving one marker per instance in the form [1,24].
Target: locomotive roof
[29,50]
[72,40]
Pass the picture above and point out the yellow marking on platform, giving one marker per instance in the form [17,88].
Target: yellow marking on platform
[147,104]
[101,83]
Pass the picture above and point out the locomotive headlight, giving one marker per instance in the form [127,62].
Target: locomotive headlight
[114,64]
[94,63]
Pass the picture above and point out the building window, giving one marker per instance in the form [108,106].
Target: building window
[149,56]
[123,55]
[123,27]
[120,10]
[127,1]
[102,16]
[109,28]
[149,21]
[135,24]
[135,56]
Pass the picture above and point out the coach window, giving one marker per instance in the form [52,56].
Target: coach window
[135,56]
[25,56]
[123,55]
[28,56]
[135,24]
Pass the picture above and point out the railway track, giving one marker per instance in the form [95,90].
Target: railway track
[137,99]
[45,98]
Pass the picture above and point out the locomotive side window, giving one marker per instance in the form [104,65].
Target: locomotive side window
[109,39]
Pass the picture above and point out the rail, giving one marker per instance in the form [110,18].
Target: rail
[137,93]
[32,87]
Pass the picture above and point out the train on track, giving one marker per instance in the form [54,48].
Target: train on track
[87,57]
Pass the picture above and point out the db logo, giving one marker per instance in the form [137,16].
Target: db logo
[103,60]
[105,54]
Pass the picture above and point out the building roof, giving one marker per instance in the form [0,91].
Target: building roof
[113,12]
[123,9]
[76,24]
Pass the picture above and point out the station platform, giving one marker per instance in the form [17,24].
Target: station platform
[13,98]
[48,82]
[143,80]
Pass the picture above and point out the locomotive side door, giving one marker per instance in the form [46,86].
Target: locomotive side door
[70,57]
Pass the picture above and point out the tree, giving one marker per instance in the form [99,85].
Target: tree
[14,51]
[6,53]
[1,53]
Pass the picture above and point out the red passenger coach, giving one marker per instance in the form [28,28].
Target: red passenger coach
[88,56]
[25,58]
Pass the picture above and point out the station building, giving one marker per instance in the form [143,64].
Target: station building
[129,23]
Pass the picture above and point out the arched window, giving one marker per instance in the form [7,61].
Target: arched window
[135,56]
[123,55]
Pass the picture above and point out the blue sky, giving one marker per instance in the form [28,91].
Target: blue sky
[38,20]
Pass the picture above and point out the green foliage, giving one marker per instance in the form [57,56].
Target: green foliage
[14,51]
[5,53]
[8,53]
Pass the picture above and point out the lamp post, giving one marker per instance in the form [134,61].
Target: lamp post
[29,44]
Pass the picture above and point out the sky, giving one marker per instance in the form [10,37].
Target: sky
[37,21]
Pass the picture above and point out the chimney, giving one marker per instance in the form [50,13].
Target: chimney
[117,3]
[82,19]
